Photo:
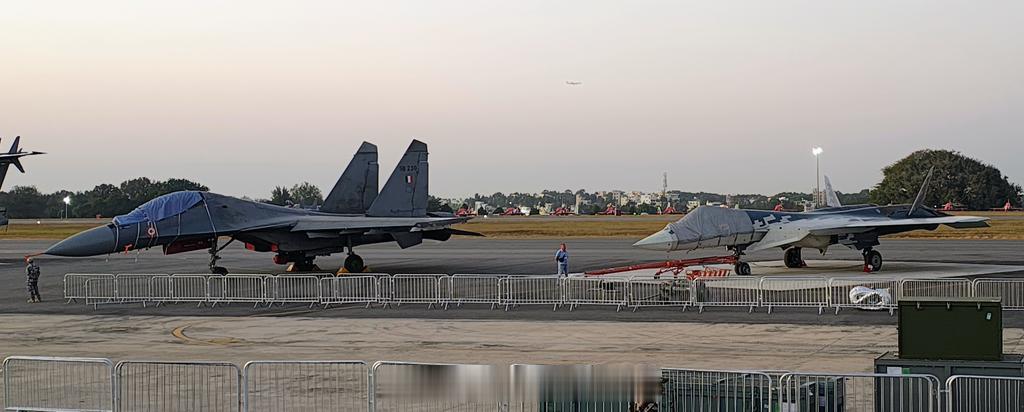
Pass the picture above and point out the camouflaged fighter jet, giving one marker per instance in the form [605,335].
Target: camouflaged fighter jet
[353,214]
[857,227]
[13,157]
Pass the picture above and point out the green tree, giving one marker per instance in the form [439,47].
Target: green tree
[957,178]
[280,196]
[305,194]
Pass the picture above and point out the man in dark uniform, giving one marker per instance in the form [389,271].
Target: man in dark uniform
[32,281]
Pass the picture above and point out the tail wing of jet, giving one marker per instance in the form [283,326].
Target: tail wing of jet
[405,193]
[831,199]
[357,187]
[921,193]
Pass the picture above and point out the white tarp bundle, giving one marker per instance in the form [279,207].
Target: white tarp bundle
[868,298]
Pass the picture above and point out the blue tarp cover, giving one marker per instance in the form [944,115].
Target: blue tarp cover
[160,208]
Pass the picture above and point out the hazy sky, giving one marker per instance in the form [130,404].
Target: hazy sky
[725,96]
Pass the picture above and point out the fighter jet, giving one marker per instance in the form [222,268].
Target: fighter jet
[13,157]
[353,214]
[857,227]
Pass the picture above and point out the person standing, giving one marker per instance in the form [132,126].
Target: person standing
[562,259]
[32,281]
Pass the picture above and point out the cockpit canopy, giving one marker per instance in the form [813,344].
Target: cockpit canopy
[160,208]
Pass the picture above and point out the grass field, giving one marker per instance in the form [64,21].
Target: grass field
[1004,226]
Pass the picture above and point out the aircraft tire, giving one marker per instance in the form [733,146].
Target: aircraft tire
[792,258]
[742,268]
[219,270]
[873,260]
[354,264]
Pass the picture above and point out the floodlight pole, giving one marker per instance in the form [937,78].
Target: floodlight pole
[817,181]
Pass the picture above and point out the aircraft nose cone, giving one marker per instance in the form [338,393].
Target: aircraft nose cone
[662,241]
[95,241]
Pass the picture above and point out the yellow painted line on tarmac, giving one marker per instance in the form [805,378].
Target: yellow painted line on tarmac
[179,332]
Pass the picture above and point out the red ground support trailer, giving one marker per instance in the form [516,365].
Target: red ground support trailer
[674,267]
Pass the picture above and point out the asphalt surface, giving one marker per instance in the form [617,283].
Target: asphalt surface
[466,256]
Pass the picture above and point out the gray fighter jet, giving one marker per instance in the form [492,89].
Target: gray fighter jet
[353,214]
[12,157]
[857,227]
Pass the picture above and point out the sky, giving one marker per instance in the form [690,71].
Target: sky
[724,96]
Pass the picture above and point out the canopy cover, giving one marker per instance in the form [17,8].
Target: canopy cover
[708,222]
[160,208]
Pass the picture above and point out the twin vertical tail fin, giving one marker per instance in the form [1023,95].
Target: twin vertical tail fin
[919,200]
[831,198]
[356,189]
[405,193]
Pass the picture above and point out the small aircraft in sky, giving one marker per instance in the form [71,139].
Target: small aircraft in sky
[573,82]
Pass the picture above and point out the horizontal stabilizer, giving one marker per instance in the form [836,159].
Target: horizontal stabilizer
[356,189]
[405,193]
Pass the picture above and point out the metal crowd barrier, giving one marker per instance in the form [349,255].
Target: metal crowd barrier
[794,292]
[409,386]
[944,288]
[713,390]
[738,291]
[596,291]
[655,293]
[1010,290]
[855,392]
[479,289]
[38,383]
[293,289]
[401,289]
[532,290]
[177,386]
[545,388]
[350,289]
[984,394]
[512,291]
[305,386]
[236,288]
[74,285]
[840,288]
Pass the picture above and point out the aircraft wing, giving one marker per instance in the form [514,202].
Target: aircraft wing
[787,234]
[355,225]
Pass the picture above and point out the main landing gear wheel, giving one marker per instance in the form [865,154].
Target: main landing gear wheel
[872,260]
[792,258]
[742,268]
[354,264]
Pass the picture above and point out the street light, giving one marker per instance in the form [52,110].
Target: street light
[67,202]
[816,151]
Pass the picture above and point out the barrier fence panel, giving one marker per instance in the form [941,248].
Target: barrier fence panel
[36,383]
[403,386]
[651,292]
[236,288]
[350,289]
[738,291]
[74,285]
[584,388]
[863,292]
[595,291]
[415,289]
[707,390]
[100,290]
[305,386]
[160,290]
[134,288]
[1011,291]
[936,288]
[177,386]
[858,392]
[480,289]
[984,394]
[794,292]
[188,288]
[533,290]
[292,289]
